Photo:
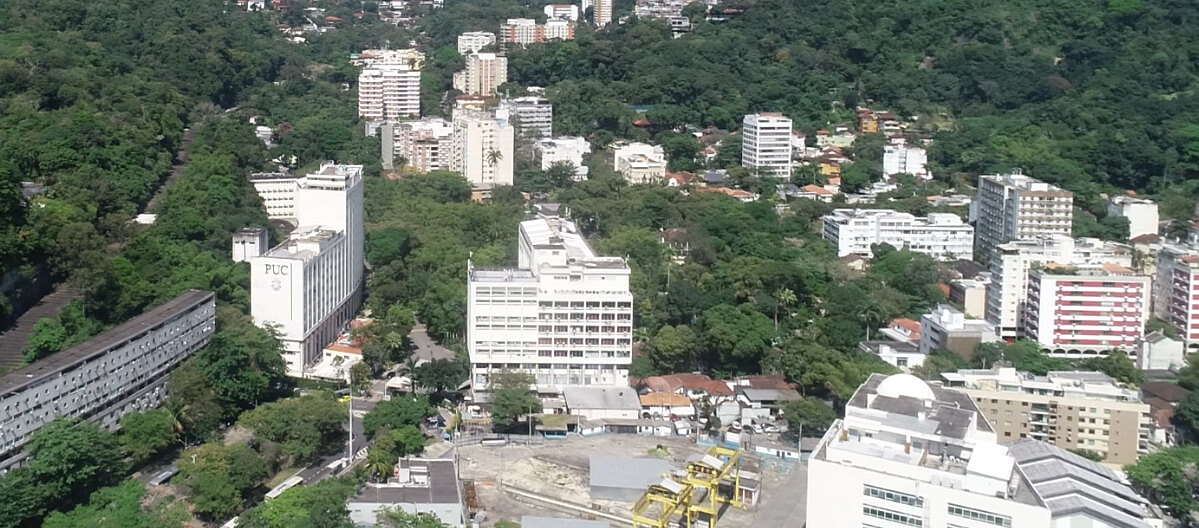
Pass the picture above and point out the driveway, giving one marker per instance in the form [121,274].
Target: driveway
[423,346]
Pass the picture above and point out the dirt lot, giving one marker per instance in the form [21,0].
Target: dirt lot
[559,469]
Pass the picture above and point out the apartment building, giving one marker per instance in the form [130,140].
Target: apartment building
[1079,312]
[640,163]
[557,29]
[564,314]
[412,58]
[389,91]
[474,42]
[1176,290]
[1018,207]
[121,371]
[483,74]
[562,11]
[1070,409]
[1011,262]
[766,144]
[532,116]
[520,31]
[971,295]
[911,454]
[567,149]
[948,328]
[1141,214]
[601,11]
[664,9]
[901,157]
[423,145]
[482,148]
[943,236]
[308,287]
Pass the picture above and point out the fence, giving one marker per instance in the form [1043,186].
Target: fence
[509,439]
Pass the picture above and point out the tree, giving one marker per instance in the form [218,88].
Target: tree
[738,337]
[674,347]
[939,361]
[72,459]
[1186,416]
[49,336]
[318,506]
[360,377]
[396,413]
[120,506]
[512,397]
[146,434]
[810,415]
[304,426]
[390,446]
[1168,477]
[389,518]
[1116,364]
[220,477]
[494,157]
[439,374]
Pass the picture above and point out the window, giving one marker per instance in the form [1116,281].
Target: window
[889,515]
[981,516]
[893,496]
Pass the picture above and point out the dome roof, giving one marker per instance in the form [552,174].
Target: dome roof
[897,385]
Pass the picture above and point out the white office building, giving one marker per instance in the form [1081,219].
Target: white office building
[308,287]
[766,144]
[1141,214]
[482,148]
[483,74]
[567,149]
[564,314]
[900,157]
[1017,207]
[943,236]
[911,454]
[474,42]
[532,116]
[1011,262]
[423,145]
[389,91]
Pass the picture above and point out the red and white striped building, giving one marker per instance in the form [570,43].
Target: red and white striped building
[1084,312]
[1176,295]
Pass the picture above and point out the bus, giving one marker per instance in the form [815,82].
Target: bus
[286,485]
[163,476]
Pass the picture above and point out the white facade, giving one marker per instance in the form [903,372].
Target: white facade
[474,42]
[389,91]
[564,315]
[1087,312]
[557,30]
[766,144]
[567,149]
[482,149]
[533,116]
[1141,214]
[603,11]
[1176,290]
[948,328]
[484,72]
[640,163]
[1155,351]
[1011,262]
[520,31]
[942,236]
[121,371]
[902,158]
[562,11]
[249,242]
[1017,207]
[424,145]
[411,58]
[310,286]
[910,454]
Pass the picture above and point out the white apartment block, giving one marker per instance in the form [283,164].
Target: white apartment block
[562,11]
[1080,312]
[121,371]
[308,287]
[474,42]
[564,314]
[532,116]
[901,158]
[640,163]
[558,29]
[947,328]
[1141,214]
[482,149]
[943,236]
[520,31]
[766,144]
[1017,207]
[249,242]
[424,145]
[1069,409]
[483,74]
[567,149]
[1176,290]
[1011,262]
[389,91]
[911,454]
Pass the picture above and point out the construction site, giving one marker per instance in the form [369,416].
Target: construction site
[623,480]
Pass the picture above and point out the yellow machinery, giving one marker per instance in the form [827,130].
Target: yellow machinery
[661,501]
[718,465]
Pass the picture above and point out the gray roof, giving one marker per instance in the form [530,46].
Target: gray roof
[1069,484]
[626,472]
[769,395]
[529,521]
[950,415]
[903,347]
[442,488]
[602,398]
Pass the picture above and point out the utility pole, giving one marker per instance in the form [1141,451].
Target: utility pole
[350,429]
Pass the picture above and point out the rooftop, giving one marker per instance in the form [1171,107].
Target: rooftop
[1024,182]
[1165,390]
[528,521]
[687,381]
[1088,384]
[432,481]
[626,472]
[304,243]
[927,408]
[664,399]
[601,398]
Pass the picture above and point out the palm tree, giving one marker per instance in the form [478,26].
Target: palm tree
[494,157]
[785,298]
[871,315]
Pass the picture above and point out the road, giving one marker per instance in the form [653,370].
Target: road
[423,346]
[360,406]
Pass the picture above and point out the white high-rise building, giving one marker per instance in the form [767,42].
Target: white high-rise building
[424,145]
[564,314]
[1141,214]
[310,286]
[1082,312]
[483,148]
[901,158]
[943,236]
[474,42]
[557,29]
[911,454]
[1176,290]
[532,116]
[766,144]
[603,11]
[484,73]
[1017,207]
[389,91]
[520,31]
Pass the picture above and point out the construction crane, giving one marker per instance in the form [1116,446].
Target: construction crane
[718,466]
[658,505]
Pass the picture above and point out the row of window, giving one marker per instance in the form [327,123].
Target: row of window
[893,496]
[895,517]
[980,516]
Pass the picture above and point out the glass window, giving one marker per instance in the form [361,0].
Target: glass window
[980,516]
[895,517]
[893,496]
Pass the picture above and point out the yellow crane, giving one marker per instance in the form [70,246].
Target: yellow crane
[719,465]
[661,502]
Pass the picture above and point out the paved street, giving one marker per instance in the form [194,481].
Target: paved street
[423,346]
[360,406]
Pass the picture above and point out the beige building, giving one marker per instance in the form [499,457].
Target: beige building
[1072,410]
[481,149]
[640,163]
[484,73]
